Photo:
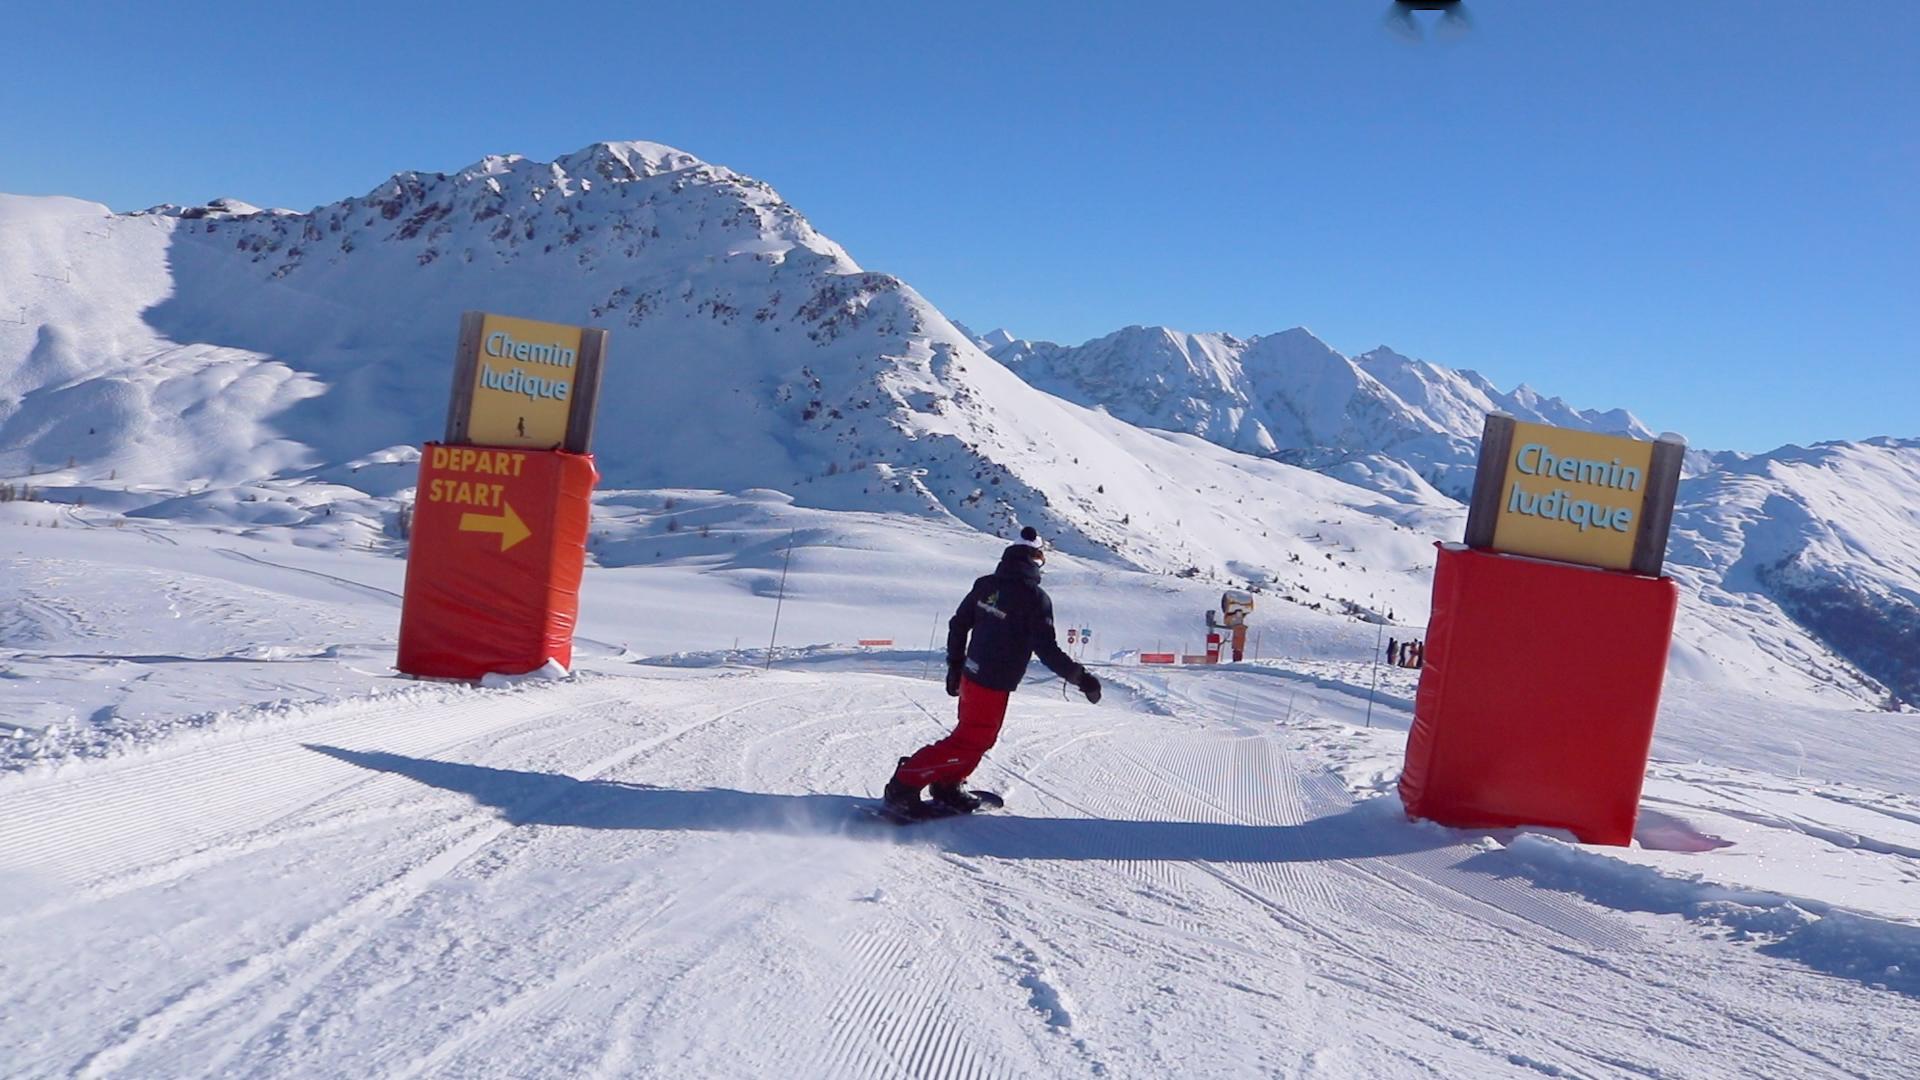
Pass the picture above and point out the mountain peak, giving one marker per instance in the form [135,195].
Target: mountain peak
[225,208]
[493,165]
[632,159]
[613,161]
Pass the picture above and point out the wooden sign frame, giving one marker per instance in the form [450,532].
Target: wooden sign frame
[583,399]
[1654,521]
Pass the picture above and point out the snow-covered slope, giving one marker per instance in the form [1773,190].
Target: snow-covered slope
[1379,419]
[269,369]
[1828,534]
[662,867]
[183,348]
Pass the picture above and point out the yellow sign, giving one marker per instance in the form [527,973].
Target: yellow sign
[1572,495]
[523,383]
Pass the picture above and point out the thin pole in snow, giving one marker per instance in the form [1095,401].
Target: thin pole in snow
[1379,631]
[932,636]
[780,600]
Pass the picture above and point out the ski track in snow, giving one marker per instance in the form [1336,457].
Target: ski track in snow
[335,938]
[628,876]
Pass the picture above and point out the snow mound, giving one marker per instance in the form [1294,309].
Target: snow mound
[1877,951]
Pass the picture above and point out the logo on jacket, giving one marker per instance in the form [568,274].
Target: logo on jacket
[991,605]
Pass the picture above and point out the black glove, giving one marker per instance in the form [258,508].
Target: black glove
[1089,686]
[953,680]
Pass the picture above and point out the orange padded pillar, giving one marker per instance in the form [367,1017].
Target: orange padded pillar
[498,548]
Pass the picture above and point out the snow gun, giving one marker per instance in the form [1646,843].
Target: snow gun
[1235,606]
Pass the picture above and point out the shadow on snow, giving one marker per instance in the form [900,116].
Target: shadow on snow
[533,798]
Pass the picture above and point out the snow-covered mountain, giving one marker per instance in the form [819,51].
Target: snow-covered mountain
[1829,537]
[231,364]
[1785,526]
[202,349]
[1380,419]
[1829,534]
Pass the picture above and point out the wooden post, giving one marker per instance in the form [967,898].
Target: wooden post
[586,391]
[1656,511]
[466,357]
[1483,510]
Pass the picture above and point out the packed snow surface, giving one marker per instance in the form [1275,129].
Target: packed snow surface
[660,866]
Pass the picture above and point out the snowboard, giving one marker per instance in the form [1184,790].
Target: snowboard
[934,811]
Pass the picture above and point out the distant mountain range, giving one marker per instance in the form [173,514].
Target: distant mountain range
[165,359]
[1380,419]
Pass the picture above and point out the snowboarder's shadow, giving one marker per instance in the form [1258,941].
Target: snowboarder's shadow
[534,798]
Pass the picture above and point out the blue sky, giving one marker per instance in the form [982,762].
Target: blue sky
[1703,211]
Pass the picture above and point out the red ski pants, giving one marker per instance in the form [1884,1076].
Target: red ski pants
[953,759]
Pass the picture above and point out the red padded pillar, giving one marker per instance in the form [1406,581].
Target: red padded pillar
[499,545]
[1537,701]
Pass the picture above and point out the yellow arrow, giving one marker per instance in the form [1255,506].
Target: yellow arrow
[511,529]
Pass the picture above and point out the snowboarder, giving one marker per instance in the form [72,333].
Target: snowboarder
[1005,620]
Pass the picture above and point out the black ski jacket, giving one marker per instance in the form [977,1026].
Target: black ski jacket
[1009,618]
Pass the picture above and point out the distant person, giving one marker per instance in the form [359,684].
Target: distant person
[1392,647]
[1005,620]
